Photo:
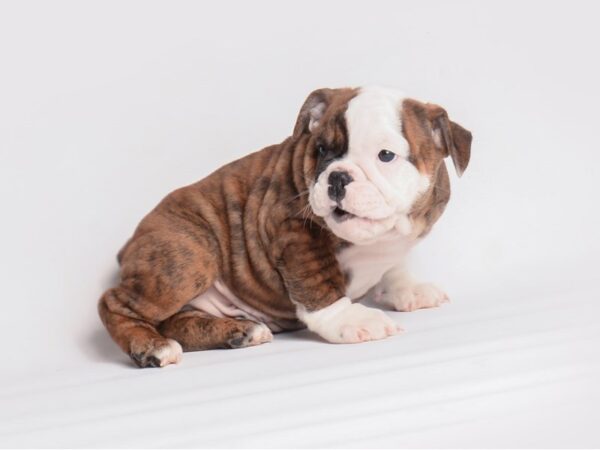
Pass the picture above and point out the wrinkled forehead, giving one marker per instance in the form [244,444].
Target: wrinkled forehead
[373,122]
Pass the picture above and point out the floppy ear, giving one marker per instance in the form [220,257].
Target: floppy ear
[312,111]
[450,137]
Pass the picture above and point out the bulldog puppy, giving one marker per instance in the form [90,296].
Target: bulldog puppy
[290,236]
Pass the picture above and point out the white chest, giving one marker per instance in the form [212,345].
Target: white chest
[366,264]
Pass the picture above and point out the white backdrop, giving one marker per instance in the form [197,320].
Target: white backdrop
[106,106]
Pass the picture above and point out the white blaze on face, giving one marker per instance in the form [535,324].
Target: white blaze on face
[381,193]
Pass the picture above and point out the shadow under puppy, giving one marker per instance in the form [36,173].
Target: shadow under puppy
[291,235]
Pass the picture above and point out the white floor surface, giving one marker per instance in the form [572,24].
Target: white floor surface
[510,371]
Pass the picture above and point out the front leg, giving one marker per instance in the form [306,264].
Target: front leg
[317,286]
[399,290]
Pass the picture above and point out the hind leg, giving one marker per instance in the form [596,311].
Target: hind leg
[197,330]
[161,272]
[134,333]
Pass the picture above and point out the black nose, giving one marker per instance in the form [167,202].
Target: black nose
[337,185]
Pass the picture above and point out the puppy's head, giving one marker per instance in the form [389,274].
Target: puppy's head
[371,153]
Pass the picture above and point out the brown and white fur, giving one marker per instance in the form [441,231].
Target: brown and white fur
[293,235]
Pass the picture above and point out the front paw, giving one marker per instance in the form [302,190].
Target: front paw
[413,296]
[348,323]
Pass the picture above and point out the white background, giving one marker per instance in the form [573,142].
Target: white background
[105,107]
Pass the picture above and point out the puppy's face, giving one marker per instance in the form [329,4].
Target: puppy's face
[370,154]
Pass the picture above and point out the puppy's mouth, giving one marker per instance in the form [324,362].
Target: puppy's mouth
[341,215]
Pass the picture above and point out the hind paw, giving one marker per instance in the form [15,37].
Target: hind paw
[158,354]
[257,334]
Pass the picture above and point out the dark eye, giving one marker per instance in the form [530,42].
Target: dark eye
[321,150]
[386,156]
